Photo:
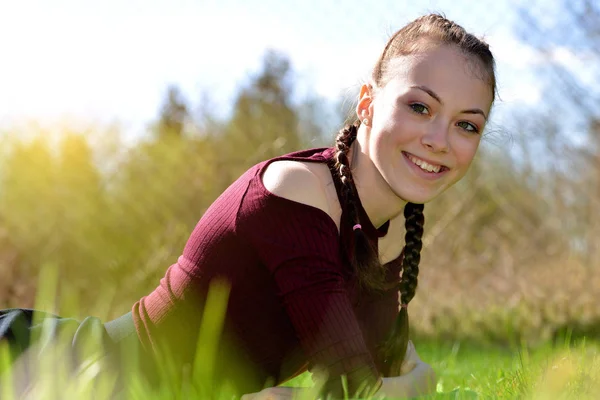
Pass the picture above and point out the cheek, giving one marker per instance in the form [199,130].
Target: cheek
[465,149]
[388,115]
[400,129]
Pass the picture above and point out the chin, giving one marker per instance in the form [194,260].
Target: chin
[418,197]
[415,191]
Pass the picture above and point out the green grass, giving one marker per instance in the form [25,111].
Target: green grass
[465,370]
[468,371]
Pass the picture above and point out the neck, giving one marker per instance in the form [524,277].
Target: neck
[377,198]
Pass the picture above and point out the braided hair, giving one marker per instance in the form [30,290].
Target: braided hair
[394,349]
[370,272]
[366,263]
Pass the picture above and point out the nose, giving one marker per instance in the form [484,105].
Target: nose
[436,138]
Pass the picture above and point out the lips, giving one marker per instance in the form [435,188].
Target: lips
[425,165]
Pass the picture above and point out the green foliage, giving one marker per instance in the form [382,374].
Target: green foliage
[264,122]
[174,115]
[114,217]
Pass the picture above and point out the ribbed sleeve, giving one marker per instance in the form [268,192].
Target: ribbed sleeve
[169,317]
[299,245]
[376,314]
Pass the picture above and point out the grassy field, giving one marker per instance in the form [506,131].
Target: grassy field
[567,369]
[547,372]
[486,372]
[464,372]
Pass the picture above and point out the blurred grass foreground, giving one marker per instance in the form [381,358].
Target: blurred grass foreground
[466,370]
[507,305]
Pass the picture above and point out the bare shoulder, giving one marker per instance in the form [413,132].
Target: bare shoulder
[298,181]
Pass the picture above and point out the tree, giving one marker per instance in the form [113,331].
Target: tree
[264,121]
[566,36]
[174,115]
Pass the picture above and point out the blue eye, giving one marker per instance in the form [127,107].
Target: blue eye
[469,127]
[419,108]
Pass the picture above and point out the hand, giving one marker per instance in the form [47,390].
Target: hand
[411,379]
[273,393]
[411,359]
[421,381]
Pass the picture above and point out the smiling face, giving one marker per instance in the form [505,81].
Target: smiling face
[425,124]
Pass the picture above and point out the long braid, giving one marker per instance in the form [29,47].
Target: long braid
[394,349]
[369,270]
[414,221]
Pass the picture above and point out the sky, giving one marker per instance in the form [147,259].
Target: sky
[112,60]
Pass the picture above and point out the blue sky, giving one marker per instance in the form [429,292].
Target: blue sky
[101,61]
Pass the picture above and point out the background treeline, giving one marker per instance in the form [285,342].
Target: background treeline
[511,252]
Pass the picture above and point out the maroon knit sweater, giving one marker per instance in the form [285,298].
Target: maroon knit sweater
[294,301]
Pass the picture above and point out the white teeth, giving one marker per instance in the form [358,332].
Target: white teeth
[425,166]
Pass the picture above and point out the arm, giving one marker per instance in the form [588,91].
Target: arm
[304,258]
[377,313]
[417,379]
[419,382]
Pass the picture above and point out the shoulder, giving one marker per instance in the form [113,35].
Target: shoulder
[302,182]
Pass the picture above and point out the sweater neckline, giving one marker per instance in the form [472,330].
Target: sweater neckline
[367,226]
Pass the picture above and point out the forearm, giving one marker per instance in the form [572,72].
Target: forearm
[420,381]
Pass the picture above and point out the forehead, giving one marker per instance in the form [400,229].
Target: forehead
[458,79]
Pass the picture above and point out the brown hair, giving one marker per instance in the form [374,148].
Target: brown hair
[430,29]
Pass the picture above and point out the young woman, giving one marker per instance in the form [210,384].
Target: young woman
[315,246]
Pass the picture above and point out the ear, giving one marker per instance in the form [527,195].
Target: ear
[365,100]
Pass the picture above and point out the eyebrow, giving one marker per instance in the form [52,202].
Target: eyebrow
[435,96]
